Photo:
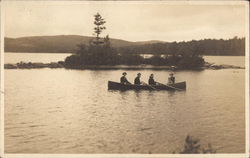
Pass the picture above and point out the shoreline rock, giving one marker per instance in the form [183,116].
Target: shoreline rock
[31,65]
[218,67]
[60,64]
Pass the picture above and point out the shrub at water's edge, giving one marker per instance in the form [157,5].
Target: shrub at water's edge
[193,146]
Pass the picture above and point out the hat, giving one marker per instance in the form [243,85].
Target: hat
[139,74]
[124,73]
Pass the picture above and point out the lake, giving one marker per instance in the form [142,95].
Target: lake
[13,58]
[71,111]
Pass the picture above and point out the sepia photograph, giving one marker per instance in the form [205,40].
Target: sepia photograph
[125,77]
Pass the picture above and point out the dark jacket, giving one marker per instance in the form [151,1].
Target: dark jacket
[137,80]
[171,79]
[151,81]
[124,80]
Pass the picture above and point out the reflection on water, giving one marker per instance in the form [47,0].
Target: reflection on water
[228,60]
[71,111]
[55,57]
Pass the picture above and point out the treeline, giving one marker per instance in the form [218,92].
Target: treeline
[230,47]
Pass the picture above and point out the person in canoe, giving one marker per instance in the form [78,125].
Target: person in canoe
[137,79]
[123,79]
[171,78]
[151,80]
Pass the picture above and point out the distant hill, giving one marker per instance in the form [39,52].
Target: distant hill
[55,44]
[148,42]
[68,44]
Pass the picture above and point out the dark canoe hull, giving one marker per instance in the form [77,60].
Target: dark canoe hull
[118,86]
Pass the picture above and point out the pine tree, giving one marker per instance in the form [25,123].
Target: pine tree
[99,27]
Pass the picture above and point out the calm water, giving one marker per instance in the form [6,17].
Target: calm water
[231,60]
[71,111]
[34,57]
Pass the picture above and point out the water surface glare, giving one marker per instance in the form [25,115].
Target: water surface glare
[71,111]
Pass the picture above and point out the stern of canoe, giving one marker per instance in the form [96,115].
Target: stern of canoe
[115,85]
[179,85]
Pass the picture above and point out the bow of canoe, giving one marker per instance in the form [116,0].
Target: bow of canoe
[119,86]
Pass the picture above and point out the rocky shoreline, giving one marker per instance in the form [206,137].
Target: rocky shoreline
[60,64]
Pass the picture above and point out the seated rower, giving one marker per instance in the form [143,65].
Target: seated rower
[151,80]
[171,78]
[137,79]
[123,79]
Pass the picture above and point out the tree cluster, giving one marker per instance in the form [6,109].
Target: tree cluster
[234,46]
[108,56]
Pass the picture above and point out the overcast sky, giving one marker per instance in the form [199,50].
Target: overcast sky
[133,21]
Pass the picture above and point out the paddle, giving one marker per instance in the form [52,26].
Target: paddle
[149,85]
[170,86]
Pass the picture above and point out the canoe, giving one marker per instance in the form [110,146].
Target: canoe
[119,86]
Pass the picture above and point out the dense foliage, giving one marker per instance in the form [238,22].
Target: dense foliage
[103,55]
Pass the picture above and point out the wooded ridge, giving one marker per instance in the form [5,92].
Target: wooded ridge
[68,44]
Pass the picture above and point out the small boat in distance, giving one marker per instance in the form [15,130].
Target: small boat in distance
[119,86]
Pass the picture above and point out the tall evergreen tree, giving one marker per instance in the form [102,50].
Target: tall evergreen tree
[99,27]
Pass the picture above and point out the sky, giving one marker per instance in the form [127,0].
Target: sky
[131,20]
